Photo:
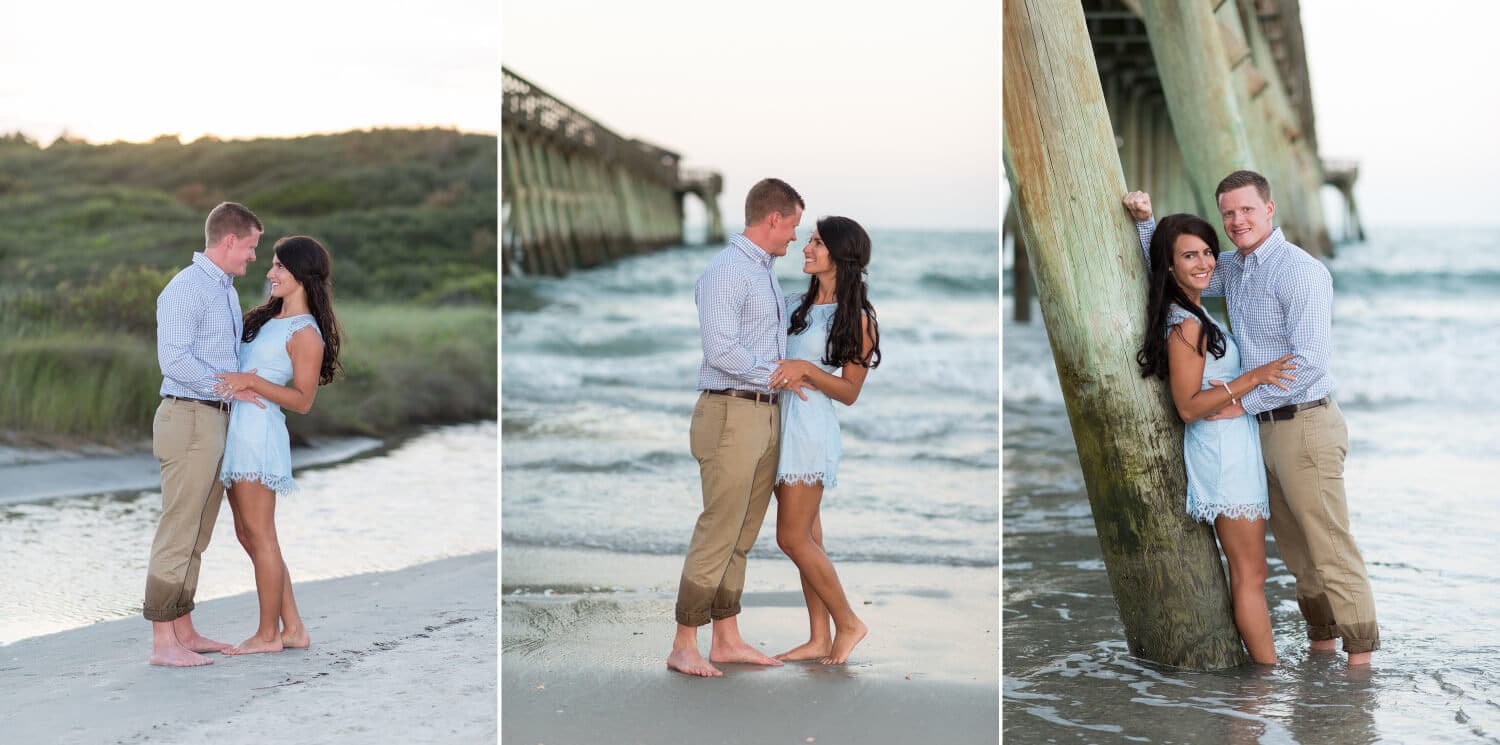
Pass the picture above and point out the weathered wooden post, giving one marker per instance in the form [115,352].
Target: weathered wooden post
[1194,70]
[1020,269]
[1086,264]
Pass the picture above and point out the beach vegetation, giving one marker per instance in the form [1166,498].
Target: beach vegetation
[93,233]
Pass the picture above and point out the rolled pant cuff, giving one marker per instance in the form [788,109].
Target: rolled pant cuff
[1359,637]
[1322,633]
[167,614]
[692,618]
[720,614]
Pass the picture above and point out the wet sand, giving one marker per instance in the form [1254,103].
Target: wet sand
[405,656]
[585,636]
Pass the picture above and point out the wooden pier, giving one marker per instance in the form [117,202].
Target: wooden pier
[1196,89]
[575,194]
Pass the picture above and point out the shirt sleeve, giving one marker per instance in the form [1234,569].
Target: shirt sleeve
[1145,229]
[721,302]
[179,312]
[1306,301]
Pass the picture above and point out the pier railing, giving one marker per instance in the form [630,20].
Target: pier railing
[576,194]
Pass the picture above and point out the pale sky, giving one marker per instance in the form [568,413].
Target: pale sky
[1410,93]
[883,112]
[117,70]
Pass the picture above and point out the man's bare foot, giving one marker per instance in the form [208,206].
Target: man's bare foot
[844,642]
[256,645]
[1323,645]
[739,652]
[178,656]
[811,650]
[295,639]
[689,662]
[1359,658]
[198,643]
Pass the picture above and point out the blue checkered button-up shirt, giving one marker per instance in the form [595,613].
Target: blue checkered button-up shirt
[197,329]
[1280,302]
[740,309]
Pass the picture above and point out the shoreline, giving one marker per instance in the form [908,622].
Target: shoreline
[404,656]
[30,474]
[585,634]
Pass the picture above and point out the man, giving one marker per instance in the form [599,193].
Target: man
[1280,302]
[197,336]
[736,428]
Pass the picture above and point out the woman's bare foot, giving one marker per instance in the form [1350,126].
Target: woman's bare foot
[813,649]
[741,652]
[295,639]
[178,656]
[844,642]
[690,662]
[256,645]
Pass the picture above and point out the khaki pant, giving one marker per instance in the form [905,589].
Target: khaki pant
[1310,519]
[188,440]
[737,443]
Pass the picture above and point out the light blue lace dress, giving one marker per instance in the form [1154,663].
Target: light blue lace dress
[257,447]
[809,429]
[1225,473]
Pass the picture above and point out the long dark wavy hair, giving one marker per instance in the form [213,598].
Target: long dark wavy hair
[849,248]
[309,263]
[1163,291]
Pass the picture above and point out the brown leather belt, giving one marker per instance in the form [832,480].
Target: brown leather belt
[1289,411]
[755,396]
[220,405]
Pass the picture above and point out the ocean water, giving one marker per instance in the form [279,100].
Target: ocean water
[599,371]
[67,563]
[1416,350]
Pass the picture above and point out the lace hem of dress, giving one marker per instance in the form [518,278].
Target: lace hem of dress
[282,485]
[808,479]
[1206,513]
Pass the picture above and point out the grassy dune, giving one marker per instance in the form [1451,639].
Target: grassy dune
[404,365]
[93,232]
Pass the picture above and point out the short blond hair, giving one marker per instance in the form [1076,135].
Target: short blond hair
[229,218]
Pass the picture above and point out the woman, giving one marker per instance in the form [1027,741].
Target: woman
[1226,476]
[290,347]
[832,329]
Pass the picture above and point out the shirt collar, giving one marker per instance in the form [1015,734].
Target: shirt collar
[213,271]
[748,248]
[1272,245]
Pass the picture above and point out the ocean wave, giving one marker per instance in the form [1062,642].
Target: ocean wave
[955,558]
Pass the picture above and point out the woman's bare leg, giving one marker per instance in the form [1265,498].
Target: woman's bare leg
[293,632]
[819,642]
[796,513]
[1244,544]
[254,508]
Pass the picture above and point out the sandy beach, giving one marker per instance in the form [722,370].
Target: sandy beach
[585,635]
[405,656]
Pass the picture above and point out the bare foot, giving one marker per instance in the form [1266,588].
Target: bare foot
[295,639]
[740,652]
[844,642]
[689,662]
[1323,645]
[811,650]
[178,656]
[199,643]
[256,645]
